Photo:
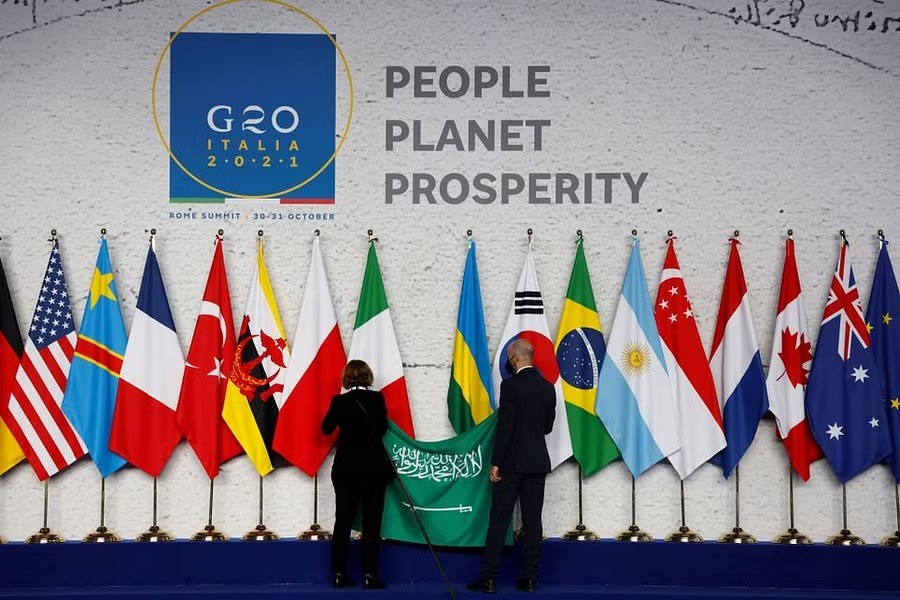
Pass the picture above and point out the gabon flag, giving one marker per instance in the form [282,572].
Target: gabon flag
[375,342]
[256,381]
[206,373]
[144,429]
[789,370]
[11,348]
[313,376]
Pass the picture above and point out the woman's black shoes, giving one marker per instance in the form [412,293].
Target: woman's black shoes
[341,581]
[371,582]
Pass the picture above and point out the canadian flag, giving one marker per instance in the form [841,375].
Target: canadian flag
[789,370]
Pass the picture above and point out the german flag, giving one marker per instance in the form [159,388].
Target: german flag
[10,350]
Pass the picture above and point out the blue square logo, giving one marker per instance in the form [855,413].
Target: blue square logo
[252,116]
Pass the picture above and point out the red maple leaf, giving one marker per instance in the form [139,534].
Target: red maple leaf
[796,352]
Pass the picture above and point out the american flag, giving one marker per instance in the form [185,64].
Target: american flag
[34,414]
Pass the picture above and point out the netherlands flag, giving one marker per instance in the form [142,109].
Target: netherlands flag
[144,429]
[736,366]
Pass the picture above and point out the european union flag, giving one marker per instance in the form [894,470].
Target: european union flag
[883,310]
[844,395]
[90,397]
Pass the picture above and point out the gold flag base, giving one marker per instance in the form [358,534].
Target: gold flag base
[2,540]
[892,541]
[634,534]
[580,534]
[260,534]
[314,533]
[684,535]
[793,537]
[44,536]
[209,534]
[102,535]
[737,536]
[154,534]
[845,538]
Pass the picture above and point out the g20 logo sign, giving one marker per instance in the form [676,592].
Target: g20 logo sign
[250,123]
[252,116]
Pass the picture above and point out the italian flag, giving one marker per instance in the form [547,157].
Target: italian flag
[374,341]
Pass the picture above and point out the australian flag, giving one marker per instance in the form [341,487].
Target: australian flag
[844,398]
[884,330]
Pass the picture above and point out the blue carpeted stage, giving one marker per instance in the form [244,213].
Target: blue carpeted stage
[571,570]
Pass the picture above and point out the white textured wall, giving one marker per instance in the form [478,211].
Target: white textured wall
[750,125]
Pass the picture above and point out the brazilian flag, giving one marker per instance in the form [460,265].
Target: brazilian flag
[579,351]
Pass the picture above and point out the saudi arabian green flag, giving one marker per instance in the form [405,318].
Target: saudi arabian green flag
[448,482]
[579,352]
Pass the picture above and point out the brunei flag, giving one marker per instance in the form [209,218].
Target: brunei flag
[374,342]
[471,394]
[256,381]
[11,348]
[579,352]
[90,398]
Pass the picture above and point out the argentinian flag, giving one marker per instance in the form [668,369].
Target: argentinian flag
[634,397]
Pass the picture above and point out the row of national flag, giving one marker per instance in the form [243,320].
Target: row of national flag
[650,392]
[130,399]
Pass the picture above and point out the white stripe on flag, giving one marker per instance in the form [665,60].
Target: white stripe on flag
[31,435]
[44,372]
[153,360]
[64,362]
[317,320]
[652,390]
[739,344]
[35,401]
[375,342]
[211,309]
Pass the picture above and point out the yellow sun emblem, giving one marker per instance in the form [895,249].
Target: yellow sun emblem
[635,360]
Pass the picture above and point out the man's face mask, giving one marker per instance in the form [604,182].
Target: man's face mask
[510,366]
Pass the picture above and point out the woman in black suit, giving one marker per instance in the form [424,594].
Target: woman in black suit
[361,471]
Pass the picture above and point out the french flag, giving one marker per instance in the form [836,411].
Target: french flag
[144,429]
[736,366]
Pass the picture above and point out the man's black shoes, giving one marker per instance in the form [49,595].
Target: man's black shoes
[485,586]
[527,585]
[340,581]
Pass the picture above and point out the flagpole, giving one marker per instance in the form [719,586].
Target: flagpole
[209,532]
[792,536]
[894,540]
[845,537]
[737,535]
[634,533]
[581,533]
[44,535]
[684,533]
[102,534]
[260,533]
[154,533]
[315,531]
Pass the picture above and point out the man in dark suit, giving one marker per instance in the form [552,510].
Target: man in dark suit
[520,463]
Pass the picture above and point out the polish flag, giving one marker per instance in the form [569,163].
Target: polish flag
[789,370]
[313,375]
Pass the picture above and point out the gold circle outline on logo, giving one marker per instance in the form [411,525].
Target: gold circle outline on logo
[187,171]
